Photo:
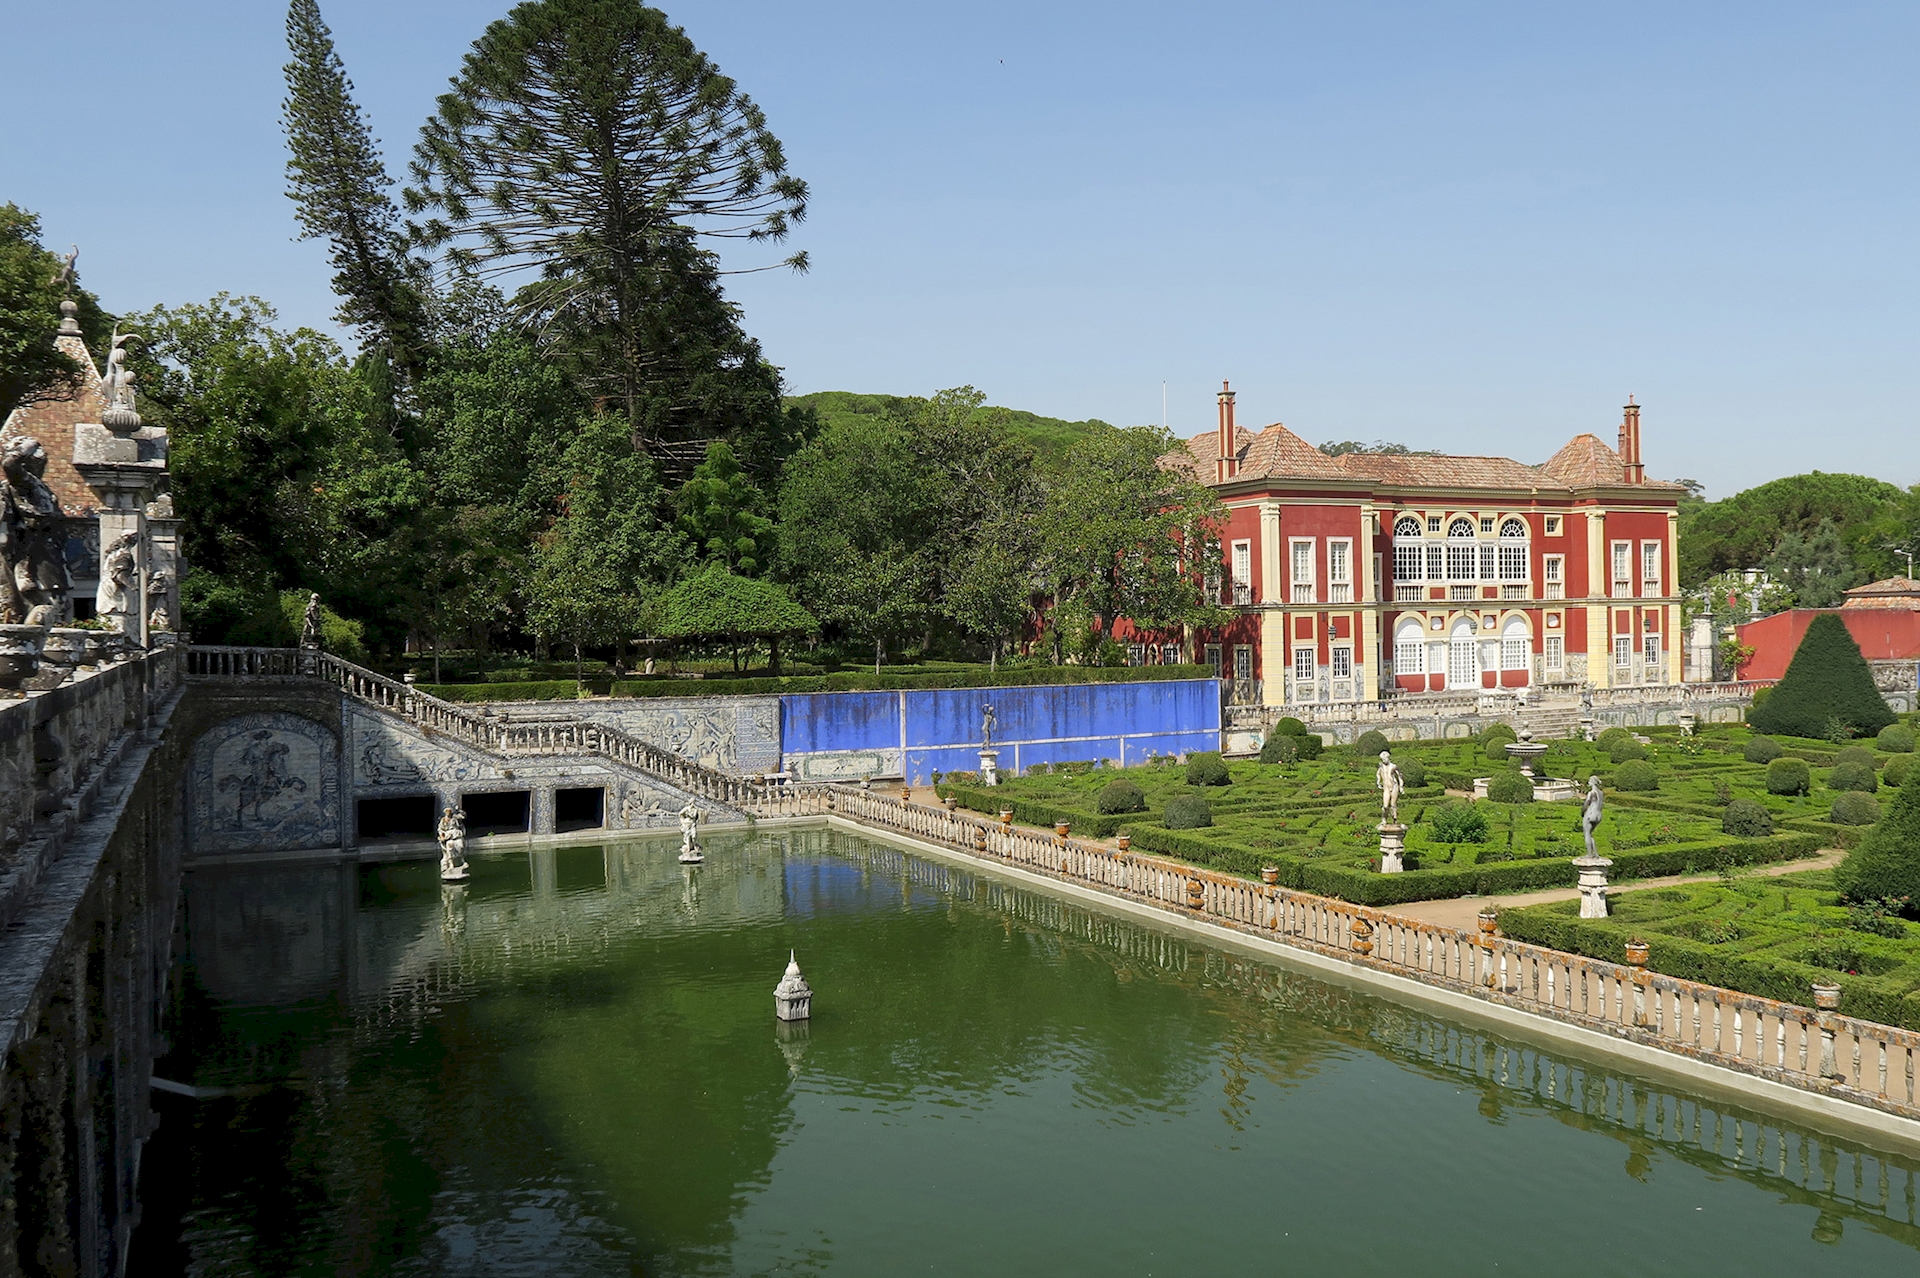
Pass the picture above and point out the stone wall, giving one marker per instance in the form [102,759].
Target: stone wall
[729,733]
[84,965]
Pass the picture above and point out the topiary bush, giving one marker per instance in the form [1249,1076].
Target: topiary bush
[1285,747]
[1412,771]
[1206,767]
[1459,823]
[1626,751]
[1291,727]
[1120,796]
[1509,787]
[1747,818]
[1887,861]
[1762,750]
[1896,738]
[1636,774]
[1789,776]
[1610,735]
[1493,742]
[1370,744]
[1188,812]
[1853,776]
[1897,770]
[1851,807]
[1856,754]
[1827,684]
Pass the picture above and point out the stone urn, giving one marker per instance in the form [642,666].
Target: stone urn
[1826,998]
[906,794]
[1125,841]
[19,654]
[1060,829]
[979,838]
[1636,953]
[1006,819]
[65,646]
[1196,894]
[1362,936]
[1270,875]
[951,803]
[1489,919]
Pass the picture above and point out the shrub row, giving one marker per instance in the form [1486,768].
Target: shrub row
[845,681]
[1556,927]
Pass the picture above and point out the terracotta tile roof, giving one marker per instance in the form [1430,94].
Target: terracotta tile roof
[1277,453]
[1893,592]
[52,421]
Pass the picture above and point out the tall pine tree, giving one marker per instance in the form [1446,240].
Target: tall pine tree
[336,178]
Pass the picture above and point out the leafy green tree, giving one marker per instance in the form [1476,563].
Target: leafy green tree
[857,524]
[719,514]
[31,367]
[1886,864]
[1744,530]
[1827,683]
[1814,566]
[339,185]
[718,604]
[1124,536]
[591,141]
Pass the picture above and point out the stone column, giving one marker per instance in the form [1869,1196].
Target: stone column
[124,463]
[1593,885]
[1393,846]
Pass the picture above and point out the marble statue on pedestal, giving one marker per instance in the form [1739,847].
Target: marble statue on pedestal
[1590,813]
[33,569]
[1592,868]
[689,825]
[452,835]
[1391,785]
[310,623]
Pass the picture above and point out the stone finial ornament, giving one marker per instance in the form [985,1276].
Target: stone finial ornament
[793,997]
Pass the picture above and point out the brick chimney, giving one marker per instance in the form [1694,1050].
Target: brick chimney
[1633,470]
[1228,463]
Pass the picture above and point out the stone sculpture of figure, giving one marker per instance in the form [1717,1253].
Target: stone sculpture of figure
[649,669]
[116,387]
[452,834]
[1391,785]
[986,724]
[1590,813]
[119,582]
[33,562]
[64,277]
[310,624]
[689,822]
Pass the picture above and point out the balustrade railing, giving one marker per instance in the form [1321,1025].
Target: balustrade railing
[1814,1050]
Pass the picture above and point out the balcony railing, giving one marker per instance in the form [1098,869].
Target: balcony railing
[1513,592]
[1303,592]
[1409,594]
[1340,592]
[1555,590]
[1242,593]
[1463,592]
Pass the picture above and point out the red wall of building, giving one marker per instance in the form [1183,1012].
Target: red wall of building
[1884,634]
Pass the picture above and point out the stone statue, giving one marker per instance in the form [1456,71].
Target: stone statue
[64,277]
[116,387]
[1590,813]
[33,566]
[689,823]
[986,724]
[119,582]
[452,834]
[310,624]
[1391,784]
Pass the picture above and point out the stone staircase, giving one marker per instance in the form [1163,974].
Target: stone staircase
[503,739]
[1555,723]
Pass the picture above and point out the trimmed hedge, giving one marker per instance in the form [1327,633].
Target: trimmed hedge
[1206,767]
[1558,926]
[1636,774]
[1120,796]
[1188,812]
[1371,743]
[1896,738]
[1853,776]
[1898,769]
[1509,786]
[1789,776]
[1852,807]
[845,681]
[1827,687]
[1031,812]
[1747,818]
[1287,747]
[1762,750]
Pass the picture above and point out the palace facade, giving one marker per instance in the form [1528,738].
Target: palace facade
[1364,575]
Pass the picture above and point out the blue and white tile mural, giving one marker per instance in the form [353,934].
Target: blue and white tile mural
[264,783]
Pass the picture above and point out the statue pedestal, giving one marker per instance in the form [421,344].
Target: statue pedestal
[1393,847]
[989,767]
[690,855]
[1593,885]
[455,874]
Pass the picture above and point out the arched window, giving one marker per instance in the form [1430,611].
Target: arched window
[1463,560]
[1513,550]
[1516,645]
[1408,557]
[1463,665]
[1409,648]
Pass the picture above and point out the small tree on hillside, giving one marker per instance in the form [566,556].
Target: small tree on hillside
[1827,681]
[718,604]
[1887,862]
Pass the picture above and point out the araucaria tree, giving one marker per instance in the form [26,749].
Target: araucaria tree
[1828,689]
[590,142]
[339,184]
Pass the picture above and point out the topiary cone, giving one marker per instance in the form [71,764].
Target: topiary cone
[1887,862]
[1827,679]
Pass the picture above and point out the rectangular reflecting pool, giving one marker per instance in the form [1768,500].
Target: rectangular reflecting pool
[571,1066]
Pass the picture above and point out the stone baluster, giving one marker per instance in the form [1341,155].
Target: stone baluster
[1637,965]
[1826,1001]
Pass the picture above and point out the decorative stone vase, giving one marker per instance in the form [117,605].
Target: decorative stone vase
[1489,919]
[1270,875]
[19,654]
[65,646]
[1826,998]
[906,794]
[1125,841]
[1637,953]
[1006,818]
[1196,894]
[1362,936]
[979,838]
[951,803]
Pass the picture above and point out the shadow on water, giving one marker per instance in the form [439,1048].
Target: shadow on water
[569,1065]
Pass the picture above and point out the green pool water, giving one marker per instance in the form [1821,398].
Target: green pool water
[572,1066]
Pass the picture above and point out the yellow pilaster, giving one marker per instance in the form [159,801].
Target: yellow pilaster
[1274,656]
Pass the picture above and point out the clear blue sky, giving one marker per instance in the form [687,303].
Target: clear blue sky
[1472,227]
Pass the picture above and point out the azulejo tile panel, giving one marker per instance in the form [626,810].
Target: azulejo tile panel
[264,783]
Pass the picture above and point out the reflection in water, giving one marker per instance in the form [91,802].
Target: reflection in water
[571,1064]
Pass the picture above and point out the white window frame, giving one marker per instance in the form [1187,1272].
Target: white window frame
[1241,572]
[1242,663]
[1650,555]
[1170,654]
[1622,570]
[1136,654]
[1217,660]
[1516,649]
[1554,568]
[1303,582]
[1650,649]
[1556,654]
[1342,661]
[1339,570]
[1623,652]
[1463,553]
[1306,664]
[1553,526]
[1410,650]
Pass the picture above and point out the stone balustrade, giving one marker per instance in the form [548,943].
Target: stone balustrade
[1815,1050]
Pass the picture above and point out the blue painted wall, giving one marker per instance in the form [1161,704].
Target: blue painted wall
[916,733]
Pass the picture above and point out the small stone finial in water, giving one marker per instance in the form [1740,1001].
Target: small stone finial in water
[793,997]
